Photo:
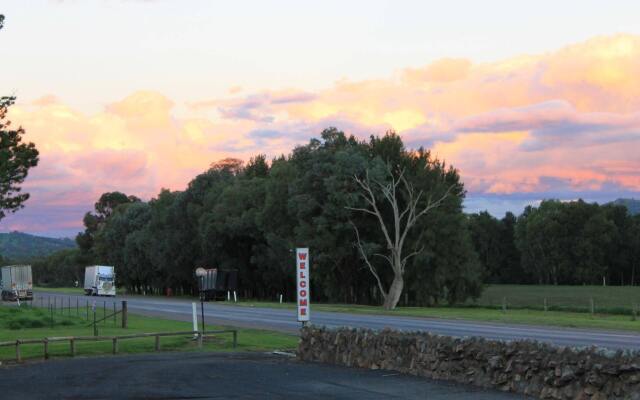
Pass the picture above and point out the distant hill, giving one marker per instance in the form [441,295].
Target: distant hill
[18,246]
[632,205]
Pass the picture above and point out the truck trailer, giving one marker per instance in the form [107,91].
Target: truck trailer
[215,283]
[17,283]
[100,280]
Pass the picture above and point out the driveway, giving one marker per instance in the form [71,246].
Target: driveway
[218,376]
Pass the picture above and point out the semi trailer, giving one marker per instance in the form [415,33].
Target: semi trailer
[214,284]
[17,283]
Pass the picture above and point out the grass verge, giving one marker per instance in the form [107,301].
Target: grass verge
[517,316]
[248,339]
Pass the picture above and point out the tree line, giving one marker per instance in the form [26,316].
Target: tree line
[560,243]
[251,218]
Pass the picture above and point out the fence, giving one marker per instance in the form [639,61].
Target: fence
[85,308]
[585,299]
[114,339]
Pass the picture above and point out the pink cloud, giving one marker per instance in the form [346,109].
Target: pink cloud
[563,120]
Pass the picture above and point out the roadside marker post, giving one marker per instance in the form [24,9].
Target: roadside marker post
[302,279]
[194,312]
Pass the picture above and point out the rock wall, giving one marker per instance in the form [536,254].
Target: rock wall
[527,367]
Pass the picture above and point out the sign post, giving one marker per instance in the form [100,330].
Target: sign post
[302,278]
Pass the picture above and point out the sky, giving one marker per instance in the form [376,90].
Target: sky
[529,100]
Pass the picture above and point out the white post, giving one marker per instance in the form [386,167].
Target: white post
[195,319]
[280,298]
[228,295]
[235,298]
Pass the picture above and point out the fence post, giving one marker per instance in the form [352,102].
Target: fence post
[46,349]
[545,304]
[593,307]
[69,303]
[18,355]
[504,304]
[87,310]
[115,345]
[104,312]
[157,342]
[124,314]
[72,347]
[235,339]
[200,334]
[77,306]
[115,319]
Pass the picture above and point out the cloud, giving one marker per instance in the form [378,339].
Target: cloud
[566,122]
[260,107]
[46,100]
[444,70]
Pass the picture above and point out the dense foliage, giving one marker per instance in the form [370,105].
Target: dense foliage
[560,243]
[251,217]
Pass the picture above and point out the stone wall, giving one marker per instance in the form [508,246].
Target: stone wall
[527,367]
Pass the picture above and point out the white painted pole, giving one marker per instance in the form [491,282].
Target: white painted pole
[280,298]
[195,319]
[235,298]
[228,295]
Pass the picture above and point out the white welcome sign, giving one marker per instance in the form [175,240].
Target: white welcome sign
[302,277]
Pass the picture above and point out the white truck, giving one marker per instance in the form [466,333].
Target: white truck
[17,283]
[99,280]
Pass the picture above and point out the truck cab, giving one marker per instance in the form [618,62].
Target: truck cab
[100,280]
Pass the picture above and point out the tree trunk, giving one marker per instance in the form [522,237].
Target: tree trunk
[395,290]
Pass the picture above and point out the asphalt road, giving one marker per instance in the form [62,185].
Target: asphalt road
[218,376]
[284,320]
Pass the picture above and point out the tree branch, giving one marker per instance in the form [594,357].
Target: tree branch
[366,259]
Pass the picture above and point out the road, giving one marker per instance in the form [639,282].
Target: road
[219,376]
[284,320]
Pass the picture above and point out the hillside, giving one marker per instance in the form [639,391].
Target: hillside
[632,205]
[17,246]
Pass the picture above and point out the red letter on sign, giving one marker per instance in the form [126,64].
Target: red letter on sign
[303,256]
[303,265]
[303,311]
[303,302]
[302,275]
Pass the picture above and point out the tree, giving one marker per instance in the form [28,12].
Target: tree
[93,222]
[407,207]
[16,158]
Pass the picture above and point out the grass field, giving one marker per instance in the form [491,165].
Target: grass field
[610,299]
[25,323]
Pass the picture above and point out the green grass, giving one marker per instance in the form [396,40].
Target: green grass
[248,339]
[609,299]
[566,319]
[61,290]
